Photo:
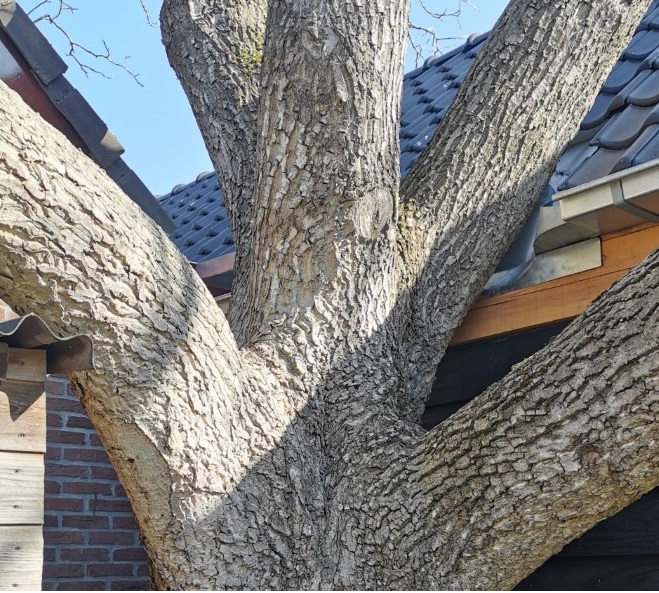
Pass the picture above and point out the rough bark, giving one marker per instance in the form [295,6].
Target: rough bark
[287,462]
[170,383]
[215,48]
[504,122]
[325,201]
[588,403]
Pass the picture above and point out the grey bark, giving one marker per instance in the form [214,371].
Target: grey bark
[505,122]
[284,454]
[216,48]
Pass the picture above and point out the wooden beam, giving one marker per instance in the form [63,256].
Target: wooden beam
[22,417]
[21,557]
[560,299]
[22,364]
[21,485]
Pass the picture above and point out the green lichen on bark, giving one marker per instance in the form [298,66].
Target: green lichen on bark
[251,54]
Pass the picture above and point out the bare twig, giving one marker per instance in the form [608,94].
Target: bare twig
[422,39]
[75,48]
[149,20]
[62,6]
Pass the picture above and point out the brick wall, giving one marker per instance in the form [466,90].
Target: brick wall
[91,541]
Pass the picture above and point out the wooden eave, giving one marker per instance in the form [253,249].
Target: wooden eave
[560,299]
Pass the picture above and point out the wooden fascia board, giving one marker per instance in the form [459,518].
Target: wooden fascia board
[210,269]
[560,299]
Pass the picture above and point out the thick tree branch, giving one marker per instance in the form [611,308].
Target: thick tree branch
[325,199]
[177,405]
[491,158]
[215,47]
[566,440]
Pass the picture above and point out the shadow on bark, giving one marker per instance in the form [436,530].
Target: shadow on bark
[356,496]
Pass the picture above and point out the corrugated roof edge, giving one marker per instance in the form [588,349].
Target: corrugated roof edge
[48,67]
[73,353]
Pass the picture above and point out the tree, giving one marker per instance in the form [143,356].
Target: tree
[282,448]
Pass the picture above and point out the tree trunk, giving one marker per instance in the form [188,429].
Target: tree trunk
[285,452]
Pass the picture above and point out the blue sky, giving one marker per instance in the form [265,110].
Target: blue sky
[154,122]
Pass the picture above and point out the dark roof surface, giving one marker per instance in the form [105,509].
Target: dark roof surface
[48,68]
[198,211]
[620,131]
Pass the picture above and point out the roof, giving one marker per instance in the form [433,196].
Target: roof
[30,65]
[202,225]
[620,131]
[74,353]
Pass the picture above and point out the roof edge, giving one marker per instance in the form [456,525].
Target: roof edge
[48,68]
[63,355]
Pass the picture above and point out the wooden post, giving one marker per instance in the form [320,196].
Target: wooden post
[22,448]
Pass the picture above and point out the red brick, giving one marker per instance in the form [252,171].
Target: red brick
[53,420]
[92,455]
[117,538]
[55,387]
[67,437]
[79,422]
[84,554]
[104,473]
[112,505]
[52,487]
[126,522]
[63,504]
[65,404]
[53,453]
[119,490]
[111,569]
[85,522]
[143,569]
[59,570]
[134,553]
[49,554]
[82,585]
[53,537]
[87,488]
[94,440]
[68,470]
[51,519]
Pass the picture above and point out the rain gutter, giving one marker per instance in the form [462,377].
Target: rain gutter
[608,204]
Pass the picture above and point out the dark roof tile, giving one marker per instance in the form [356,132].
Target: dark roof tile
[643,44]
[601,163]
[601,109]
[647,91]
[573,157]
[620,76]
[623,128]
[650,20]
[644,150]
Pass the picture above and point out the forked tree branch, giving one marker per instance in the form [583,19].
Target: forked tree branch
[457,219]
